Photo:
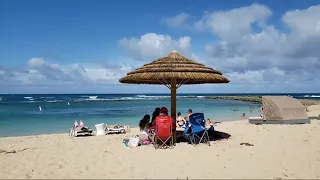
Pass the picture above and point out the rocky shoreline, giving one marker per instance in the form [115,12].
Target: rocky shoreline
[258,99]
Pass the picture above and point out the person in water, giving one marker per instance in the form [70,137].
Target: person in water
[243,116]
[181,121]
[261,112]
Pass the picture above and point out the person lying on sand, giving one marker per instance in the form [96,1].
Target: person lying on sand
[75,125]
[82,125]
[78,127]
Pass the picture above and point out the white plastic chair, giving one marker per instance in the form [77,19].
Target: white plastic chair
[100,129]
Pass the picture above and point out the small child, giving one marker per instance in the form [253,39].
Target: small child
[243,116]
[210,122]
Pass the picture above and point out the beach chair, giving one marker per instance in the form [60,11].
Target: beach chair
[197,130]
[163,137]
[100,129]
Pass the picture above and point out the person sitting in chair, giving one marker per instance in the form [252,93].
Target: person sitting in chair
[163,112]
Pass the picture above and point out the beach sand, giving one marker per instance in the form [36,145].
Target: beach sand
[279,151]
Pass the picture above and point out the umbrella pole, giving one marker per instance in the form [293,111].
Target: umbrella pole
[173,104]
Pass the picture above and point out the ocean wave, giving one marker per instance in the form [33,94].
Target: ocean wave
[97,99]
[128,99]
[200,96]
[49,97]
[28,97]
[32,101]
[141,96]
[312,96]
[150,97]
[145,97]
[93,97]
[54,101]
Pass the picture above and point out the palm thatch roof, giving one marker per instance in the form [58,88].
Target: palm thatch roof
[174,66]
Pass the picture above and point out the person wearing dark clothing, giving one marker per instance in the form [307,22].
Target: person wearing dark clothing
[155,113]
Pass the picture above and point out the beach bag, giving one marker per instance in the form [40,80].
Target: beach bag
[133,142]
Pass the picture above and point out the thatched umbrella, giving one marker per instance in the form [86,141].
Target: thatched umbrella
[173,71]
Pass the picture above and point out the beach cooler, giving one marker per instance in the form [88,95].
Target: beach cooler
[196,131]
[163,132]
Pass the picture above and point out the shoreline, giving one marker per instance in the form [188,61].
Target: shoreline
[93,128]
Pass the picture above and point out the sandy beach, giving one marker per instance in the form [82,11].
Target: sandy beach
[278,151]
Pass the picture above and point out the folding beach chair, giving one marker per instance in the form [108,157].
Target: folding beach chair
[197,129]
[163,132]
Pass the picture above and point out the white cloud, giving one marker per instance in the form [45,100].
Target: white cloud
[151,46]
[177,21]
[253,53]
[266,55]
[234,23]
[39,72]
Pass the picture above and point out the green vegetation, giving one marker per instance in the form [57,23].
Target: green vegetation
[257,99]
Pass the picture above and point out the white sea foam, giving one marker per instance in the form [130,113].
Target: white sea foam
[312,96]
[32,101]
[54,101]
[129,98]
[47,97]
[93,97]
[98,99]
[28,97]
[141,96]
[200,96]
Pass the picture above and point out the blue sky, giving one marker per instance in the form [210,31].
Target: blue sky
[86,46]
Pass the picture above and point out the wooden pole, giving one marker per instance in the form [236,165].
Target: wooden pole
[173,104]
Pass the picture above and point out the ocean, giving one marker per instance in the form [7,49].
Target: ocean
[34,114]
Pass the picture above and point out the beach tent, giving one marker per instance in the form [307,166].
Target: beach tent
[282,110]
[173,71]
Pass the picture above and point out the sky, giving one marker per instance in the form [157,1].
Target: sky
[82,46]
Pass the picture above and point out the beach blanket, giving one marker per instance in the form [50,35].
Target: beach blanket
[134,142]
